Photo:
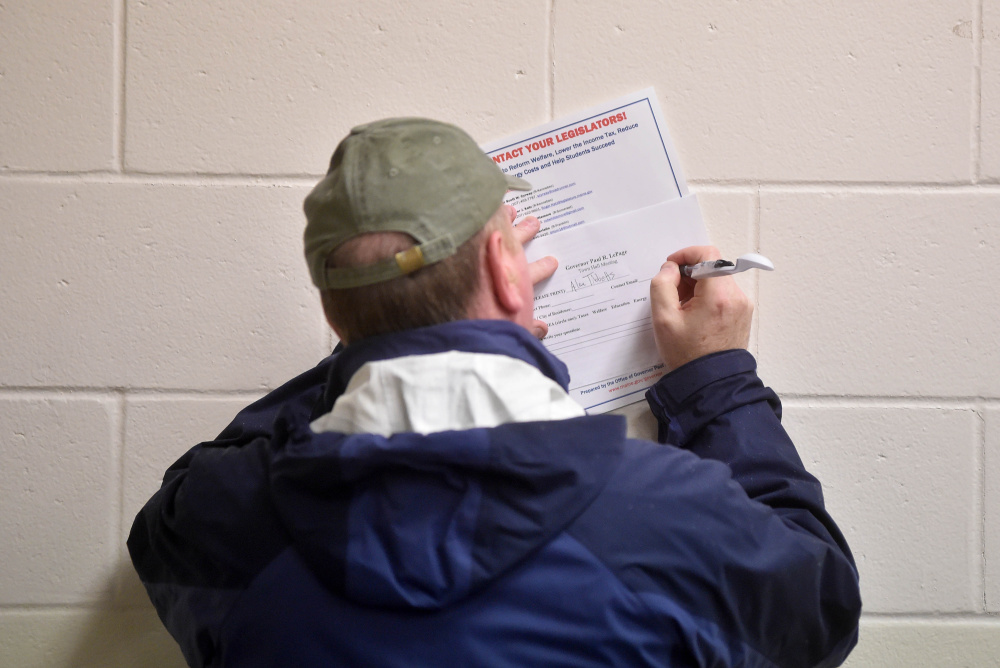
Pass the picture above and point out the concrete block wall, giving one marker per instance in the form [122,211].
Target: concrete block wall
[153,159]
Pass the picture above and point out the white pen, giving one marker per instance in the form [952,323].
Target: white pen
[714,268]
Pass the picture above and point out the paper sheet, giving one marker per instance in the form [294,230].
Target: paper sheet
[597,302]
[604,161]
[613,203]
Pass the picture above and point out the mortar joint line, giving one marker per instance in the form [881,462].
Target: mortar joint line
[290,180]
[873,185]
[52,607]
[551,56]
[967,403]
[964,402]
[121,414]
[121,9]
[930,616]
[755,242]
[133,178]
[977,95]
[112,393]
[982,455]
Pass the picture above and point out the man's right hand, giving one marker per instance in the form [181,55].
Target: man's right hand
[691,318]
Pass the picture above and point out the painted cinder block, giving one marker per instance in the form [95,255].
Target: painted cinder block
[86,638]
[880,293]
[128,285]
[158,431]
[729,217]
[212,89]
[784,91]
[59,486]
[57,85]
[902,484]
[926,643]
[991,508]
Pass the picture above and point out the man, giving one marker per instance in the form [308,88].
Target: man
[431,496]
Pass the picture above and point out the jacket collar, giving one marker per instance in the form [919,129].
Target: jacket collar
[472,336]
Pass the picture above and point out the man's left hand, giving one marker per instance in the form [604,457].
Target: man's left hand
[538,270]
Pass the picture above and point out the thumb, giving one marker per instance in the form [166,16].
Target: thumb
[539,329]
[663,293]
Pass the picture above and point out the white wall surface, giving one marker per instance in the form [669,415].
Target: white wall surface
[153,159]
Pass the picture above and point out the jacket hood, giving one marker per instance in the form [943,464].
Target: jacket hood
[470,336]
[421,521]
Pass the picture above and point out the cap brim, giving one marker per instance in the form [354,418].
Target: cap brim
[514,183]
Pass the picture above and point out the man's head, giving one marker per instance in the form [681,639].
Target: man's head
[398,231]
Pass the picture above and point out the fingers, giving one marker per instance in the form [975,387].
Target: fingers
[665,303]
[542,268]
[538,270]
[525,230]
[695,254]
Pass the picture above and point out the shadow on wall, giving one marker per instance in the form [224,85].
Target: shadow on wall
[130,637]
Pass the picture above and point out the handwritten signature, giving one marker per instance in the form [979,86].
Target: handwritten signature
[591,279]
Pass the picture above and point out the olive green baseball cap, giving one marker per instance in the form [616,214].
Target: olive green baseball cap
[425,178]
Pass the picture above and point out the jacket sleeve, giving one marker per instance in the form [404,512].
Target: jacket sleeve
[192,552]
[718,409]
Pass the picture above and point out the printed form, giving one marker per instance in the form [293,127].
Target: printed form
[613,204]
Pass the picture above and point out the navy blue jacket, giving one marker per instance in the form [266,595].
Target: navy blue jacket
[547,543]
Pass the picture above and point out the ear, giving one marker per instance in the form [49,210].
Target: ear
[501,269]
